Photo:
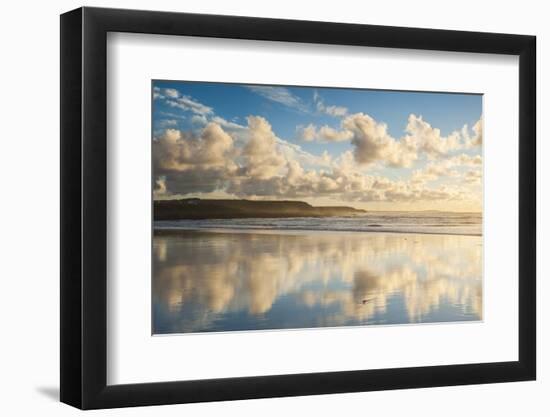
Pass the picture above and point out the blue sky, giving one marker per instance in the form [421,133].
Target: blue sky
[297,116]
[234,102]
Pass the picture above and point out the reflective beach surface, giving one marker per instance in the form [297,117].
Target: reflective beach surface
[227,280]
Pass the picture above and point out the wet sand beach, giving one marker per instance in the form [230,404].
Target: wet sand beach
[226,280]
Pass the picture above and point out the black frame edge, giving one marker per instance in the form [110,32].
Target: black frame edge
[94,208]
[303,31]
[528,206]
[83,208]
[70,219]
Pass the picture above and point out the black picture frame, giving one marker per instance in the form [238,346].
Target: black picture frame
[84,207]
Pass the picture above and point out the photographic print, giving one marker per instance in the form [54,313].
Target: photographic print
[291,207]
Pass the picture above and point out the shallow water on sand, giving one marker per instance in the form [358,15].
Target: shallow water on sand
[227,280]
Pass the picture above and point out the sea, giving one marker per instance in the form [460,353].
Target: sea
[433,222]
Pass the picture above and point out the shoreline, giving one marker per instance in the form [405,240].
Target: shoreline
[167,230]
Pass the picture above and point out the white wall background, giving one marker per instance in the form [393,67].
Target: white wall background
[29,237]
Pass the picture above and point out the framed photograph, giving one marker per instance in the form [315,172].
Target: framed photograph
[257,208]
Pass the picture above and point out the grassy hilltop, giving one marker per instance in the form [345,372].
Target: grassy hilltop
[198,209]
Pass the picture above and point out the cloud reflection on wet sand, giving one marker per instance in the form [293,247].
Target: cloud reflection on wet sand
[214,281]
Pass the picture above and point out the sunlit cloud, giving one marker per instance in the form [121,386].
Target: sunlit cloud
[373,143]
[262,165]
[331,110]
